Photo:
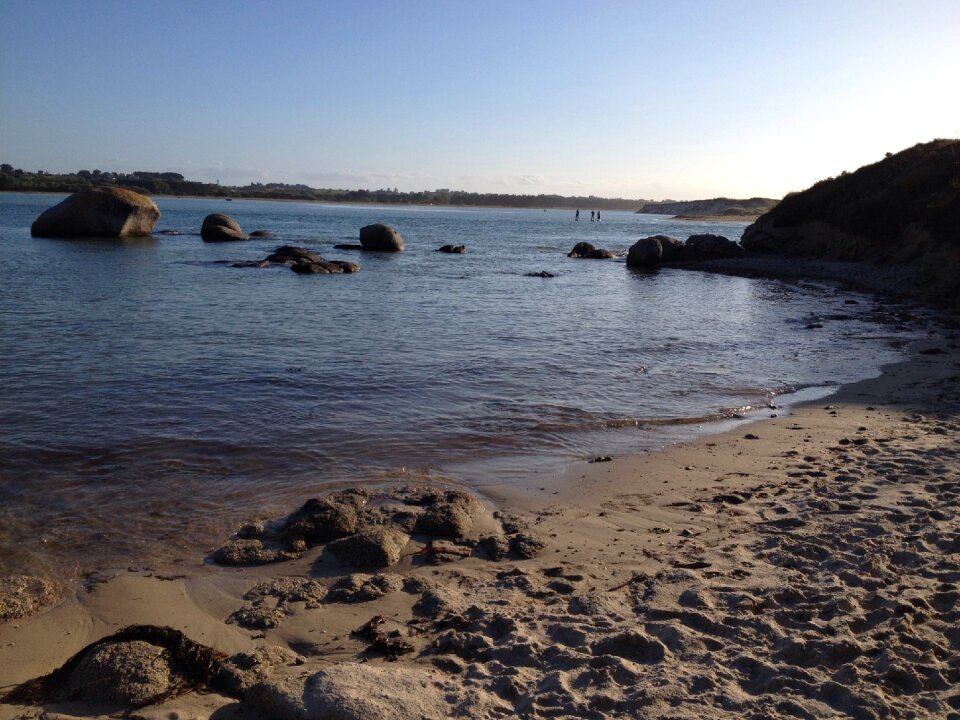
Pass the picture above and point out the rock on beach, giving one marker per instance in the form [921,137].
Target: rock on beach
[100,212]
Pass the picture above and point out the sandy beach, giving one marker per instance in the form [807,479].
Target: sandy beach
[801,566]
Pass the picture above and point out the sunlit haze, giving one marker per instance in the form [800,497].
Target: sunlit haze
[651,100]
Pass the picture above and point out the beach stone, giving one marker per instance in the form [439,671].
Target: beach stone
[375,548]
[495,547]
[380,238]
[446,519]
[261,234]
[526,545]
[351,691]
[242,671]
[645,253]
[453,249]
[292,254]
[218,227]
[22,595]
[131,672]
[99,212]
[363,588]
[258,617]
[290,589]
[250,552]
[321,520]
[541,274]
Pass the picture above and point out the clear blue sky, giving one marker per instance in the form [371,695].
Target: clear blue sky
[680,98]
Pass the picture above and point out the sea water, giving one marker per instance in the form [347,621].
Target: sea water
[153,396]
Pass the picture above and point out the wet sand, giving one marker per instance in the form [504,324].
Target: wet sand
[796,567]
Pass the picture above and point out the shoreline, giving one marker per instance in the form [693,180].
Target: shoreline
[750,571]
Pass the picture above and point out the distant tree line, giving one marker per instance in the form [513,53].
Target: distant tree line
[171,183]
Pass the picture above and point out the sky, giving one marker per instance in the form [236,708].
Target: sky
[680,99]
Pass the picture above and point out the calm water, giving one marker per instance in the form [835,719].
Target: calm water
[153,395]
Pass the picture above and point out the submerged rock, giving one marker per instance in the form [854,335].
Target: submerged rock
[380,238]
[100,212]
[218,227]
[453,249]
[588,251]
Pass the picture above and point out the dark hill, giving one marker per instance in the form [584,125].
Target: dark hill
[903,210]
[715,206]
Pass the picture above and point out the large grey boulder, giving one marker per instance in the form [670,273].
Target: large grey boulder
[218,227]
[380,238]
[100,212]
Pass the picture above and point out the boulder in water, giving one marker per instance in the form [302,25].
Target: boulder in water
[380,238]
[100,212]
[218,227]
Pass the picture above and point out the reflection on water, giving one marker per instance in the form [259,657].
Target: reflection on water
[154,395]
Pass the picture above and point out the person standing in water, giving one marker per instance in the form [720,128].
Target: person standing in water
[598,216]
[577,218]
[591,216]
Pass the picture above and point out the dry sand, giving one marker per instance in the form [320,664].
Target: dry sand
[805,566]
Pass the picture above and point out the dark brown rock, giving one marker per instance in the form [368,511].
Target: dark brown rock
[320,520]
[376,548]
[380,238]
[453,249]
[221,228]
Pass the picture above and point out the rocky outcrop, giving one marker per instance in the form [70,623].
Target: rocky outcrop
[101,212]
[221,228]
[709,247]
[453,249]
[902,211]
[380,238]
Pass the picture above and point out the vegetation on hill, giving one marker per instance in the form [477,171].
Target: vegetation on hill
[714,206]
[170,183]
[904,209]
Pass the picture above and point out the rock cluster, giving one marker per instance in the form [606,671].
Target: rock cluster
[653,251]
[100,212]
[371,532]
[453,249]
[302,261]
